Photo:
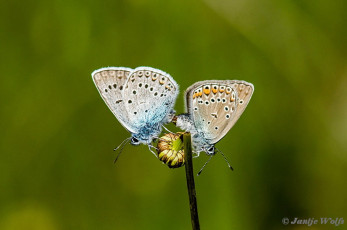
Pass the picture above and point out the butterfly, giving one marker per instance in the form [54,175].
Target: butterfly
[142,99]
[213,107]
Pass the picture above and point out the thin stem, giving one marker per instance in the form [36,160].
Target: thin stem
[190,181]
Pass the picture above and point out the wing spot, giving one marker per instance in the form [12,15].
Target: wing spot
[110,87]
[241,102]
[216,127]
[151,89]
[224,100]
[218,99]
[114,85]
[130,102]
[228,90]
[134,92]
[156,93]
[162,81]
[226,108]
[207,102]
[221,89]
[147,73]
[140,74]
[135,113]
[214,89]
[209,122]
[196,108]
[119,101]
[154,77]
[214,115]
[213,100]
[207,90]
[146,86]
[227,116]
[146,110]
[120,74]
[106,90]
[121,87]
[232,98]
[140,85]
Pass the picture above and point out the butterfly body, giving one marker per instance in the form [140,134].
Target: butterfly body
[213,108]
[149,130]
[142,99]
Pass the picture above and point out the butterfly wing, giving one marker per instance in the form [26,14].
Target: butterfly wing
[149,95]
[110,84]
[244,93]
[214,106]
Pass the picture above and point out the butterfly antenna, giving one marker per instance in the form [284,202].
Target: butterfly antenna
[204,165]
[226,160]
[121,146]
[115,149]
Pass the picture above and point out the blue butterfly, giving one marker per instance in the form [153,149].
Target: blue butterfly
[142,99]
[213,107]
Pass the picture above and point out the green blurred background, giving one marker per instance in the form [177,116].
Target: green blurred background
[289,149]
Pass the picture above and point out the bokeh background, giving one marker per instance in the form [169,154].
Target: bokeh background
[289,148]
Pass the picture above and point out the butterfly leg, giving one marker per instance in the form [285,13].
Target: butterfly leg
[196,155]
[167,129]
[149,147]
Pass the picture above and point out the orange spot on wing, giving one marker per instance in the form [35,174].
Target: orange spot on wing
[221,90]
[207,91]
[214,90]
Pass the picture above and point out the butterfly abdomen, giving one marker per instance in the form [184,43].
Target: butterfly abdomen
[184,122]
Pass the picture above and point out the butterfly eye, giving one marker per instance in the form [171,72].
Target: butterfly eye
[210,150]
[135,141]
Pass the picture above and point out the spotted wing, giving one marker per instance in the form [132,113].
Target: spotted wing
[149,95]
[244,92]
[213,106]
[110,84]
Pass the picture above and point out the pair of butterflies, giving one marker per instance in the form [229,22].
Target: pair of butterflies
[143,99]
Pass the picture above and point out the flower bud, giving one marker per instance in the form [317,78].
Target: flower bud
[170,149]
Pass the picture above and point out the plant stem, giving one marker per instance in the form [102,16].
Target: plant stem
[190,181]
